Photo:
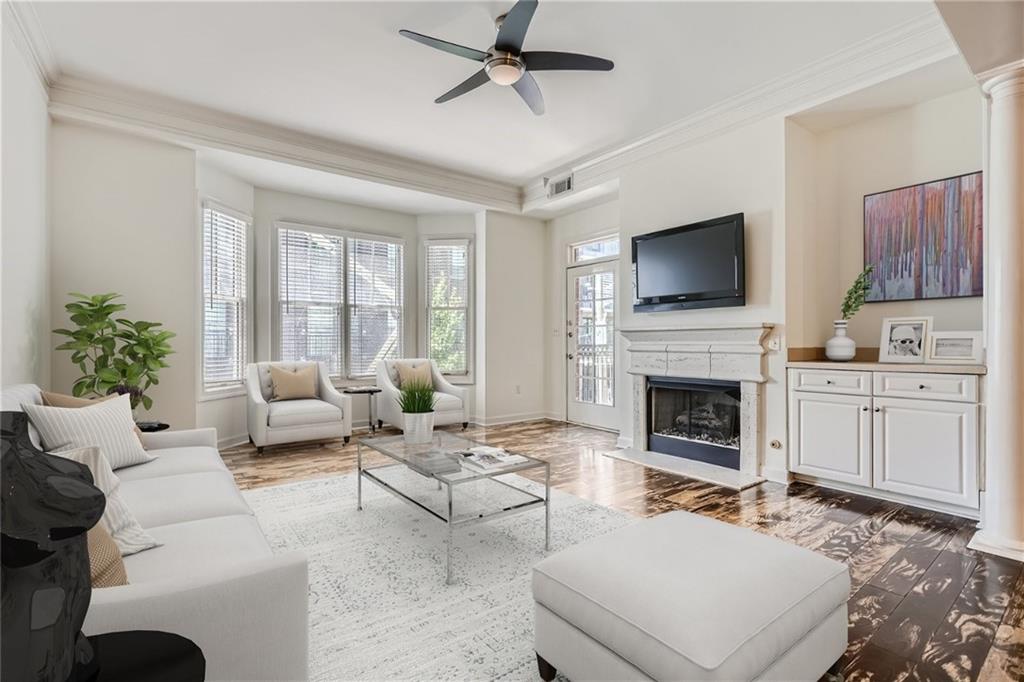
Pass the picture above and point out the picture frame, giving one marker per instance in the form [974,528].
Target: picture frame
[904,339]
[954,348]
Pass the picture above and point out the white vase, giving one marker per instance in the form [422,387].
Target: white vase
[418,427]
[840,347]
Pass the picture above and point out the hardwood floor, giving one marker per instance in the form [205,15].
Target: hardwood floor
[922,606]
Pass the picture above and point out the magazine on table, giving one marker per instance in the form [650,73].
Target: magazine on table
[487,458]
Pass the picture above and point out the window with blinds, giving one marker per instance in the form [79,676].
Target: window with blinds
[339,299]
[448,312]
[225,299]
[374,304]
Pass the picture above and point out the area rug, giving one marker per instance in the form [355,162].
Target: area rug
[379,606]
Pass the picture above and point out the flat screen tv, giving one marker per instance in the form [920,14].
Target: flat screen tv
[693,266]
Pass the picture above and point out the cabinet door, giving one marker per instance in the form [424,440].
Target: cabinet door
[830,436]
[928,449]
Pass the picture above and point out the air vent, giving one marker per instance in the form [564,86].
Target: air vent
[559,186]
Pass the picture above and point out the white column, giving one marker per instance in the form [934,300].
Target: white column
[1002,527]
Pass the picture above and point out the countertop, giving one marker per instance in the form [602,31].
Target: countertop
[890,367]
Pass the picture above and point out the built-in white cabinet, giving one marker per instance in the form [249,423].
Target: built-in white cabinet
[903,435]
[831,436]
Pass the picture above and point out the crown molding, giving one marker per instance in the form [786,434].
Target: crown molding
[84,101]
[20,19]
[1000,72]
[893,52]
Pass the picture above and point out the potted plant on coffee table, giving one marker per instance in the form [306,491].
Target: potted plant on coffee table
[417,401]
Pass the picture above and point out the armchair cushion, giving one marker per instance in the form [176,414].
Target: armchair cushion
[445,402]
[302,413]
[293,384]
[414,372]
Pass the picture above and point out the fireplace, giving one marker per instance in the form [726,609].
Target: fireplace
[697,419]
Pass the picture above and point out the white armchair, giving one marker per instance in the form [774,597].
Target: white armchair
[325,417]
[452,401]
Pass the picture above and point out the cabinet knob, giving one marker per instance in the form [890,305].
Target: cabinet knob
[865,408]
[878,409]
[922,387]
[830,382]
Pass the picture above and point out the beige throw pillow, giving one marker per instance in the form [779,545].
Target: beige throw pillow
[293,384]
[62,400]
[106,567]
[409,373]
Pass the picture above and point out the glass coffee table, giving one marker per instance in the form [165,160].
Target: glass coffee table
[440,461]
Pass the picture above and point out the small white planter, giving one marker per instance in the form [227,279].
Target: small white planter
[418,427]
[840,347]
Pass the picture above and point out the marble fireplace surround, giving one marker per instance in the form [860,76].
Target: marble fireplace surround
[733,352]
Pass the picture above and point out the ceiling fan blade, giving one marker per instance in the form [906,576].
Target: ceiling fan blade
[513,29]
[565,61]
[471,83]
[445,46]
[530,92]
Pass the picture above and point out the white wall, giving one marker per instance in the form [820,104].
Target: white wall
[740,171]
[513,293]
[271,206]
[227,414]
[561,232]
[25,341]
[933,139]
[123,217]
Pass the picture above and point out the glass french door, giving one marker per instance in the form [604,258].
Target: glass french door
[590,345]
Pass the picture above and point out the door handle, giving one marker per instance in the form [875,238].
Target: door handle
[569,356]
[569,334]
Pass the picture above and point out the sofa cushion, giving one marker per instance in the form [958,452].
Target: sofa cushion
[185,497]
[301,413]
[174,461]
[203,545]
[446,402]
[682,596]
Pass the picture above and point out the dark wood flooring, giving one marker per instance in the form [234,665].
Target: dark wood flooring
[922,607]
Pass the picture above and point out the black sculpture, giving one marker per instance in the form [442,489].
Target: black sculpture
[47,506]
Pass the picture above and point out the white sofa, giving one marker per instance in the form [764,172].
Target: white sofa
[326,417]
[452,405]
[215,579]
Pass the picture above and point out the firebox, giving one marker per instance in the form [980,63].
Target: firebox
[694,418]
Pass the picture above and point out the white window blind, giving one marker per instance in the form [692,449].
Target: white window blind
[375,301]
[225,294]
[448,282]
[311,296]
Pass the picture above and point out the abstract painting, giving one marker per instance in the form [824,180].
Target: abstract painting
[925,241]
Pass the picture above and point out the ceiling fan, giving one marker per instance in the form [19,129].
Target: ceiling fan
[505,63]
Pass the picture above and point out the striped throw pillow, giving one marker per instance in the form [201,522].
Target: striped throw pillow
[108,425]
[117,517]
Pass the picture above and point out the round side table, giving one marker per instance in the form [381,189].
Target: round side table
[369,392]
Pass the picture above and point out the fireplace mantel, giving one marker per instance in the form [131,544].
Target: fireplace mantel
[726,352]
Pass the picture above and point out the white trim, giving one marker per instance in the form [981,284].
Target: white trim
[920,503]
[509,419]
[1004,70]
[232,441]
[895,51]
[422,343]
[28,35]
[132,111]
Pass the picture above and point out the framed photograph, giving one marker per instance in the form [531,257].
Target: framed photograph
[925,241]
[904,339]
[954,348]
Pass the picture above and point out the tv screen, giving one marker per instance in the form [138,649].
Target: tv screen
[693,266]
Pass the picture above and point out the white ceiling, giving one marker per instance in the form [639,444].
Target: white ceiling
[313,183]
[340,70]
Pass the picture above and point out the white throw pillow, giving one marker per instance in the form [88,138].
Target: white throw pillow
[108,425]
[117,517]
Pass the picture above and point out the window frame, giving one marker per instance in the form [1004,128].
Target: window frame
[233,389]
[571,260]
[467,377]
[346,376]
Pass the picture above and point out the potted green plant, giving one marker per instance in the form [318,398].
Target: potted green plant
[417,400]
[841,347]
[115,355]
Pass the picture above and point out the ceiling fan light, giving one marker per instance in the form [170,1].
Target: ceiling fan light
[504,71]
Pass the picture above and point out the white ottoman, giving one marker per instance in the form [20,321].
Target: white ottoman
[684,597]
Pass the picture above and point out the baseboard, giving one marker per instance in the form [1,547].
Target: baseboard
[983,543]
[232,441]
[891,497]
[509,419]
[624,442]
[777,475]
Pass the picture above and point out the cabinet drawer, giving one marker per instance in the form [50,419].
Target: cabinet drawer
[961,388]
[829,381]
